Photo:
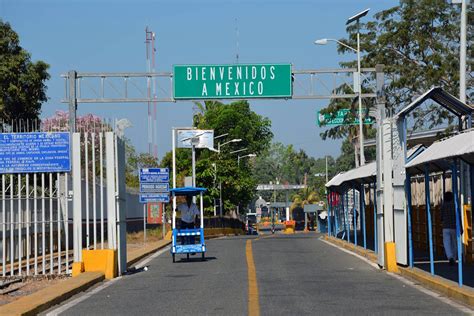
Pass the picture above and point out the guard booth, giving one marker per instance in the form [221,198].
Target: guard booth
[440,159]
[316,218]
[396,195]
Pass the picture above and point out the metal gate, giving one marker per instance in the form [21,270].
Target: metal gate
[48,218]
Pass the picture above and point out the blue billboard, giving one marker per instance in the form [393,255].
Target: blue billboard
[34,152]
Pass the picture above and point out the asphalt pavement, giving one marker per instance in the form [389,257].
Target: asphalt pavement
[296,274]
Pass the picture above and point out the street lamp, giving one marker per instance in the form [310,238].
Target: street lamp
[462,50]
[324,41]
[219,145]
[194,141]
[240,157]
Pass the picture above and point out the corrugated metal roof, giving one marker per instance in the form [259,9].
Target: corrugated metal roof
[363,172]
[461,145]
[334,182]
[367,171]
[441,97]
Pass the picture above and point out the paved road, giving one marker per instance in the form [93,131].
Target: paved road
[297,274]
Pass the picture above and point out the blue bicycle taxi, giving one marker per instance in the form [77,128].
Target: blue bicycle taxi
[181,242]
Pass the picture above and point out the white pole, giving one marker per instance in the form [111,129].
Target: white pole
[144,223]
[94,199]
[173,141]
[361,123]
[462,61]
[202,210]
[194,165]
[111,188]
[76,202]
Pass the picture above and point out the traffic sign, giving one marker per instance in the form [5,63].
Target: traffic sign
[341,118]
[154,187]
[154,197]
[242,81]
[154,175]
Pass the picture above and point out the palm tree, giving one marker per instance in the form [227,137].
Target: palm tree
[305,196]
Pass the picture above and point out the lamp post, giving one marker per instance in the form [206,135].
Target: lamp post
[219,145]
[240,157]
[355,18]
[462,50]
[194,141]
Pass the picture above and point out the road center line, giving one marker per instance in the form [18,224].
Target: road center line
[253,301]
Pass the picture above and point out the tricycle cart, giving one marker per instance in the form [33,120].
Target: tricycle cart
[186,247]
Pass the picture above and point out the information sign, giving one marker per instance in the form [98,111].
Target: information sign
[154,197]
[34,152]
[238,81]
[154,187]
[154,175]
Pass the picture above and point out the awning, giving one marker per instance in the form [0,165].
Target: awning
[187,191]
[443,98]
[368,171]
[361,173]
[335,181]
[438,155]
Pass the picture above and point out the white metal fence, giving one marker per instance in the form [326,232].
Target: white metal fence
[48,218]
[34,224]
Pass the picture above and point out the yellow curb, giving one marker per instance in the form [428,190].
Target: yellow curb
[52,295]
[439,284]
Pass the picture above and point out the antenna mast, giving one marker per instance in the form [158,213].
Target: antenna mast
[151,91]
[237,41]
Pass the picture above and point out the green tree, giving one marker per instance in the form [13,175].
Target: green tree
[418,42]
[135,161]
[22,82]
[238,182]
[287,166]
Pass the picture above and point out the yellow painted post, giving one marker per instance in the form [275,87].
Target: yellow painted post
[77,268]
[102,260]
[390,257]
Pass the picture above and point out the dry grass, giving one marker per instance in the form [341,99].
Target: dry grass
[154,234]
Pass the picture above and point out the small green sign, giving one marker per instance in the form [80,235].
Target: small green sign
[340,118]
[239,81]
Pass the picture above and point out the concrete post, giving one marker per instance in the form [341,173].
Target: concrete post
[72,100]
[379,116]
[76,201]
[110,174]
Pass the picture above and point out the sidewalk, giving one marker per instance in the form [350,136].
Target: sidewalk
[420,274]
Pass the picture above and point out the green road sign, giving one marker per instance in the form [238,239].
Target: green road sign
[326,119]
[240,81]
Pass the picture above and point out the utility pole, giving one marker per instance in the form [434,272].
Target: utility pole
[462,53]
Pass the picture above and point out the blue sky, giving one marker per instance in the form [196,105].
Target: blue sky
[108,36]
